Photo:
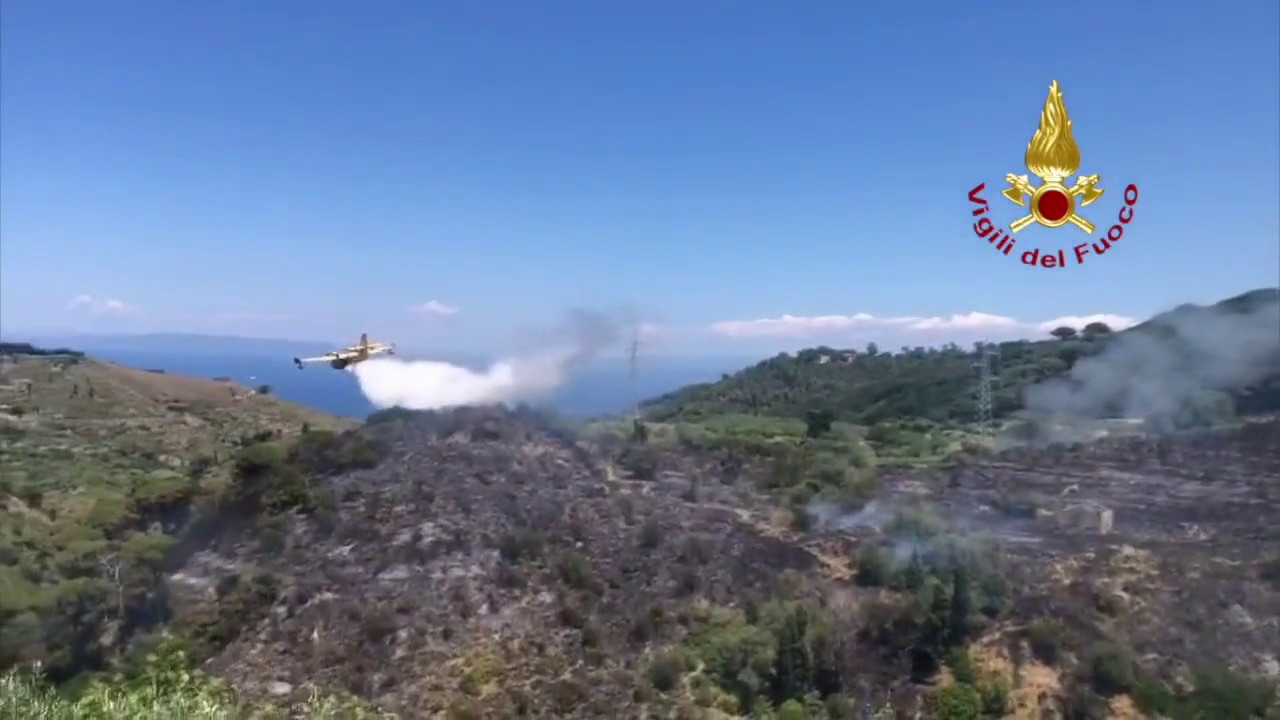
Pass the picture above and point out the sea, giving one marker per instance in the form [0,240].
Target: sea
[600,388]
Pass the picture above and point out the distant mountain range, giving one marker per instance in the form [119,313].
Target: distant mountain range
[179,343]
[207,345]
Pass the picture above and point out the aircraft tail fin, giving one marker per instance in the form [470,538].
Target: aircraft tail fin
[364,339]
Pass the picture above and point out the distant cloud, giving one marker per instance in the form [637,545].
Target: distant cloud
[805,327]
[105,307]
[434,307]
[1115,322]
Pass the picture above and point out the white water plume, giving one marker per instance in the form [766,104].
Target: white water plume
[434,385]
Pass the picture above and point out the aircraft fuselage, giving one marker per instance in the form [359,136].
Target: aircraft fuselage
[342,359]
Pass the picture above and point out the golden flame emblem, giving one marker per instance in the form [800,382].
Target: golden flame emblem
[1053,156]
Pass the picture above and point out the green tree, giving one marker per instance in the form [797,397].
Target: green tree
[958,701]
[793,664]
[639,432]
[792,709]
[913,575]
[1095,330]
[818,423]
[1111,670]
[739,656]
[961,605]
[873,568]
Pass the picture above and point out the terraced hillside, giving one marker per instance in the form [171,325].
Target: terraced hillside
[99,468]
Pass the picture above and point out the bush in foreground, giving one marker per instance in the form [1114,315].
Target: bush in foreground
[165,687]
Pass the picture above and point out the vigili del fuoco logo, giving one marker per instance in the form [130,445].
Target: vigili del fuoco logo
[1052,156]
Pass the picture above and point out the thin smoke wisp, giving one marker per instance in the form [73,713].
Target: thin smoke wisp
[435,385]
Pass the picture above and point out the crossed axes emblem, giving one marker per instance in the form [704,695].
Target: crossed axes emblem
[1085,188]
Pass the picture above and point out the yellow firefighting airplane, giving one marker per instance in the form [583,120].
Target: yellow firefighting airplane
[340,359]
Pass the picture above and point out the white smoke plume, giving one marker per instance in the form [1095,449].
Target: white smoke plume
[827,515]
[434,385]
[1168,366]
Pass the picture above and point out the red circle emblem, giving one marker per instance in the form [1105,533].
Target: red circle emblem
[1054,205]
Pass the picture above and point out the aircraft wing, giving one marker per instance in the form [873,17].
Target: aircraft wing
[300,362]
[327,357]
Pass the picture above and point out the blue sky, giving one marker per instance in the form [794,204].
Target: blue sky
[309,170]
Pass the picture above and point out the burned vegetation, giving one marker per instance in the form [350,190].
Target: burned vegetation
[490,564]
[485,562]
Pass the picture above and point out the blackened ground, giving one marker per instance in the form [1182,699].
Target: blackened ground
[1182,575]
[490,558]
[491,564]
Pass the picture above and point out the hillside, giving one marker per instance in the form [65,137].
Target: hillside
[496,563]
[1232,347]
[491,565]
[183,343]
[101,468]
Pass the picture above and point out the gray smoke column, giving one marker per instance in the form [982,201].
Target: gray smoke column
[1168,365]
[433,385]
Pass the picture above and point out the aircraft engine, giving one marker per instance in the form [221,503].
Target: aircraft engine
[338,364]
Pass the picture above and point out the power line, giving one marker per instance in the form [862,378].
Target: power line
[986,379]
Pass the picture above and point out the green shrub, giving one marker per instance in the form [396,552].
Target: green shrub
[665,671]
[791,710]
[164,686]
[270,478]
[260,458]
[874,568]
[961,665]
[739,657]
[241,603]
[160,489]
[995,697]
[1152,697]
[839,707]
[958,701]
[856,488]
[1223,694]
[1111,669]
[323,452]
[641,461]
[575,571]
[146,549]
[22,639]
[1045,638]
